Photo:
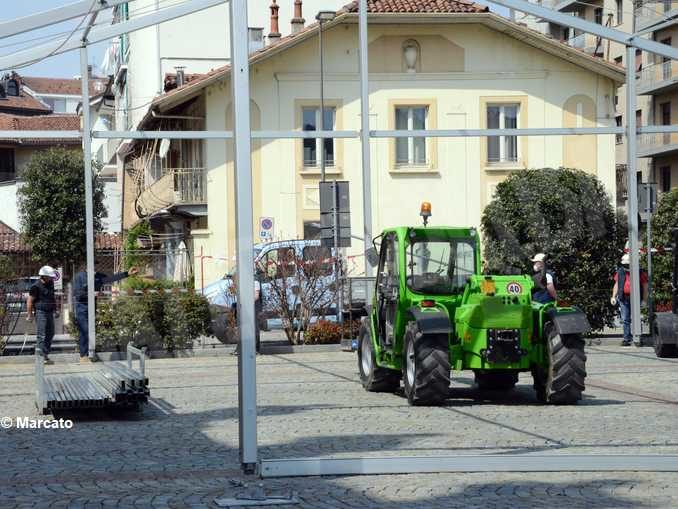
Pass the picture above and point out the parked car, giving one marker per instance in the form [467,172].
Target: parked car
[270,261]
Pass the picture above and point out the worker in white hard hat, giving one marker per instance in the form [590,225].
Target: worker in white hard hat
[621,295]
[544,289]
[42,304]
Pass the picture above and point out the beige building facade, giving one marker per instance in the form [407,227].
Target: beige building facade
[443,71]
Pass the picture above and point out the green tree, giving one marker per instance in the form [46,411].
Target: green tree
[665,219]
[568,215]
[52,206]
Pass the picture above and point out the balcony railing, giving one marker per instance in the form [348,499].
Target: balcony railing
[652,12]
[177,186]
[657,76]
[651,144]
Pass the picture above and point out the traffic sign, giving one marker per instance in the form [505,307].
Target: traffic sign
[266,228]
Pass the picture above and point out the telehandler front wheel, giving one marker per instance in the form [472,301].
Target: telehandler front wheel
[562,381]
[426,367]
[373,377]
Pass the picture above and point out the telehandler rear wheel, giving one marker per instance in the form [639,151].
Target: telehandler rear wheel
[373,377]
[426,367]
[562,381]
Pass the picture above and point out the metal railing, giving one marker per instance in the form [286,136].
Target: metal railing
[176,186]
[651,12]
[649,141]
[190,185]
[655,74]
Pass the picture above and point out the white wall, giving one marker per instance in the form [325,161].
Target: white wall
[8,205]
[113,204]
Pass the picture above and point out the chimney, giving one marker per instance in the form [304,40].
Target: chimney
[181,77]
[274,35]
[298,20]
[256,39]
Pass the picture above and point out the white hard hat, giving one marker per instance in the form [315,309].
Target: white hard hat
[626,259]
[48,271]
[539,257]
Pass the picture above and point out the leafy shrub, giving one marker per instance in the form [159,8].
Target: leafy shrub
[665,219]
[566,214]
[323,332]
[159,321]
[187,316]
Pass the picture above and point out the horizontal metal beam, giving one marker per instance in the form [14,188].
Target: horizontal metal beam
[217,135]
[262,135]
[104,33]
[491,463]
[466,133]
[54,16]
[648,129]
[588,26]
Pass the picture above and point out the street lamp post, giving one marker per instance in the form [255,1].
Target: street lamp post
[322,17]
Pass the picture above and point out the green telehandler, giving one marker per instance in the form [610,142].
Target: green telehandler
[434,312]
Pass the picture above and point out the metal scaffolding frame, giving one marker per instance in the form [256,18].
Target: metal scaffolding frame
[242,136]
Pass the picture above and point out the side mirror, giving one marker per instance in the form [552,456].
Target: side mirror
[372,257]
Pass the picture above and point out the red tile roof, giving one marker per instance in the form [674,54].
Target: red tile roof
[24,102]
[63,86]
[417,6]
[5,229]
[56,122]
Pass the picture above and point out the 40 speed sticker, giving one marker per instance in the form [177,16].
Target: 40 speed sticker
[514,288]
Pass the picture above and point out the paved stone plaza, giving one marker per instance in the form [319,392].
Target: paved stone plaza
[182,450]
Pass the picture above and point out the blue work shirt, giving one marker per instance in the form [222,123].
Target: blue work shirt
[100,279]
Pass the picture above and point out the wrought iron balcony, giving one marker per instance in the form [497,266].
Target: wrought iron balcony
[183,190]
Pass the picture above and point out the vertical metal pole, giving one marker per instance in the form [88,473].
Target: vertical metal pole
[89,205]
[650,302]
[632,186]
[365,132]
[322,101]
[337,265]
[240,88]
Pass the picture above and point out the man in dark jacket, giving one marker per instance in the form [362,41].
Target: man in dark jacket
[42,303]
[80,300]
[621,295]
[544,290]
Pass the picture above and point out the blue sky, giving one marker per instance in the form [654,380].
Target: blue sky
[68,64]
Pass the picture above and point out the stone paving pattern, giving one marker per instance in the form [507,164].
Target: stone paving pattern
[181,451]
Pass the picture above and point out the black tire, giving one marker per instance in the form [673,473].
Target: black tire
[426,367]
[373,377]
[496,381]
[661,349]
[664,351]
[562,381]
